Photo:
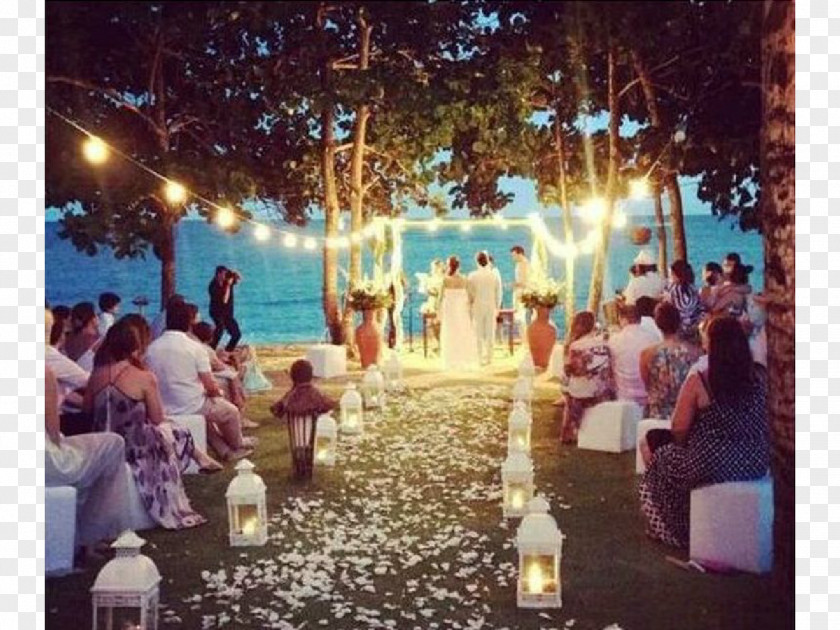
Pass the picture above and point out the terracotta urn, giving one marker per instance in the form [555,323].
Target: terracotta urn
[368,339]
[542,335]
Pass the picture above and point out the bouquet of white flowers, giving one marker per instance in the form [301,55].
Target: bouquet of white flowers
[547,294]
[369,296]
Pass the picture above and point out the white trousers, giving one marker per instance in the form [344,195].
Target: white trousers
[484,319]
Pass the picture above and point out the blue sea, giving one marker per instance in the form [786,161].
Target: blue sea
[279,298]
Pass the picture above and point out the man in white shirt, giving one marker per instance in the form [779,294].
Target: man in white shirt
[645,279]
[521,281]
[187,387]
[485,289]
[71,379]
[645,305]
[625,350]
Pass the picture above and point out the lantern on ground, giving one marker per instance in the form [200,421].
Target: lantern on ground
[523,392]
[246,507]
[393,372]
[373,388]
[326,437]
[352,414]
[127,589]
[517,484]
[519,429]
[540,546]
[527,369]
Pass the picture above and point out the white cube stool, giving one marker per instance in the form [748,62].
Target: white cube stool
[732,525]
[644,426]
[327,360]
[197,426]
[555,363]
[138,516]
[610,426]
[60,529]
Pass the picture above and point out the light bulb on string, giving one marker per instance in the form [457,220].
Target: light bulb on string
[310,243]
[262,232]
[175,193]
[594,210]
[466,227]
[95,150]
[290,240]
[639,188]
[225,218]
[433,225]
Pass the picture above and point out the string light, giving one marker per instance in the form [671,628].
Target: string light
[433,225]
[95,150]
[466,227]
[175,193]
[594,210]
[225,218]
[262,232]
[310,243]
[290,240]
[639,188]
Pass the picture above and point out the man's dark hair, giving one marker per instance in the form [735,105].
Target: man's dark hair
[481,259]
[733,257]
[220,269]
[517,249]
[179,317]
[629,312]
[204,331]
[176,298]
[61,311]
[667,318]
[107,301]
[714,267]
[645,305]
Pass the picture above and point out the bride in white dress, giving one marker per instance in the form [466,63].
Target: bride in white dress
[458,346]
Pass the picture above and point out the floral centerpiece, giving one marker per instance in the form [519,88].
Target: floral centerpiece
[369,296]
[546,294]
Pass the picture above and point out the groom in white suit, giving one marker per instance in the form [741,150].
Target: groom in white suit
[485,289]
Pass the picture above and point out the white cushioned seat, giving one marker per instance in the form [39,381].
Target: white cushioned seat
[60,529]
[327,360]
[610,426]
[644,426]
[197,426]
[732,525]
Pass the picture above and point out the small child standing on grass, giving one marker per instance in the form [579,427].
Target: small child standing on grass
[109,306]
[301,407]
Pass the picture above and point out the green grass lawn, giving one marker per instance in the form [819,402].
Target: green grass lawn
[406,532]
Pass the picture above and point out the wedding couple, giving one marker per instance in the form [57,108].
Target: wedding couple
[468,310]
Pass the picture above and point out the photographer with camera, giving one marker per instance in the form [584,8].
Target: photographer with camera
[221,306]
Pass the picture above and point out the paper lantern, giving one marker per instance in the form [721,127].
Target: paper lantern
[127,590]
[247,514]
[326,439]
[352,414]
[540,546]
[517,484]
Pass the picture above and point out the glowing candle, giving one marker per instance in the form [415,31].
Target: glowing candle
[250,527]
[535,578]
[517,499]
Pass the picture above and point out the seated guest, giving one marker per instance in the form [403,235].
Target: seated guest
[754,322]
[646,306]
[71,379]
[124,398]
[94,464]
[84,330]
[187,385]
[625,350]
[731,297]
[225,374]
[159,323]
[589,372]
[712,279]
[109,306]
[719,434]
[665,366]
[644,279]
[682,293]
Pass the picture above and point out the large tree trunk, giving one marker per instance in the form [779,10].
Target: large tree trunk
[661,234]
[670,178]
[166,252]
[596,287]
[568,229]
[778,181]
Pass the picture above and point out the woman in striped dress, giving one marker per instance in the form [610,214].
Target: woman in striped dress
[682,293]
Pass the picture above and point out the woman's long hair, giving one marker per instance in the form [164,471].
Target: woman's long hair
[453,264]
[81,315]
[730,360]
[121,342]
[583,323]
[682,272]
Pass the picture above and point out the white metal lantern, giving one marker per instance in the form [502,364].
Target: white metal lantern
[540,545]
[127,589]
[326,437]
[393,372]
[246,507]
[373,388]
[526,368]
[352,414]
[519,429]
[517,484]
[523,393]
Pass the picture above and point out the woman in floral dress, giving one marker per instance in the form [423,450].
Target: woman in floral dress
[588,372]
[720,434]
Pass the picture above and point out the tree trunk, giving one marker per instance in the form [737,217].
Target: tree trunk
[568,229]
[596,287]
[661,234]
[778,215]
[166,252]
[670,178]
[332,311]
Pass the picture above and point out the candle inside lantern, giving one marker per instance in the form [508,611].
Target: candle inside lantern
[249,519]
[535,578]
[352,419]
[322,448]
[517,499]
[249,527]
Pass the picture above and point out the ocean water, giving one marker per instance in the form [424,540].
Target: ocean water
[279,299]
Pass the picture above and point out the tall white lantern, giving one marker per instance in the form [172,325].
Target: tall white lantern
[352,413]
[519,429]
[526,368]
[540,546]
[523,392]
[393,371]
[326,437]
[127,590]
[517,484]
[373,388]
[247,515]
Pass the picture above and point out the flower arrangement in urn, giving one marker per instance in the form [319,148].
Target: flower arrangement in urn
[368,297]
[542,333]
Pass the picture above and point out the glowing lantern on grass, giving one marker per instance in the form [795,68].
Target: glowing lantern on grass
[519,429]
[373,388]
[540,546]
[523,393]
[352,414]
[246,507]
[128,587]
[393,371]
[527,369]
[517,484]
[326,436]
